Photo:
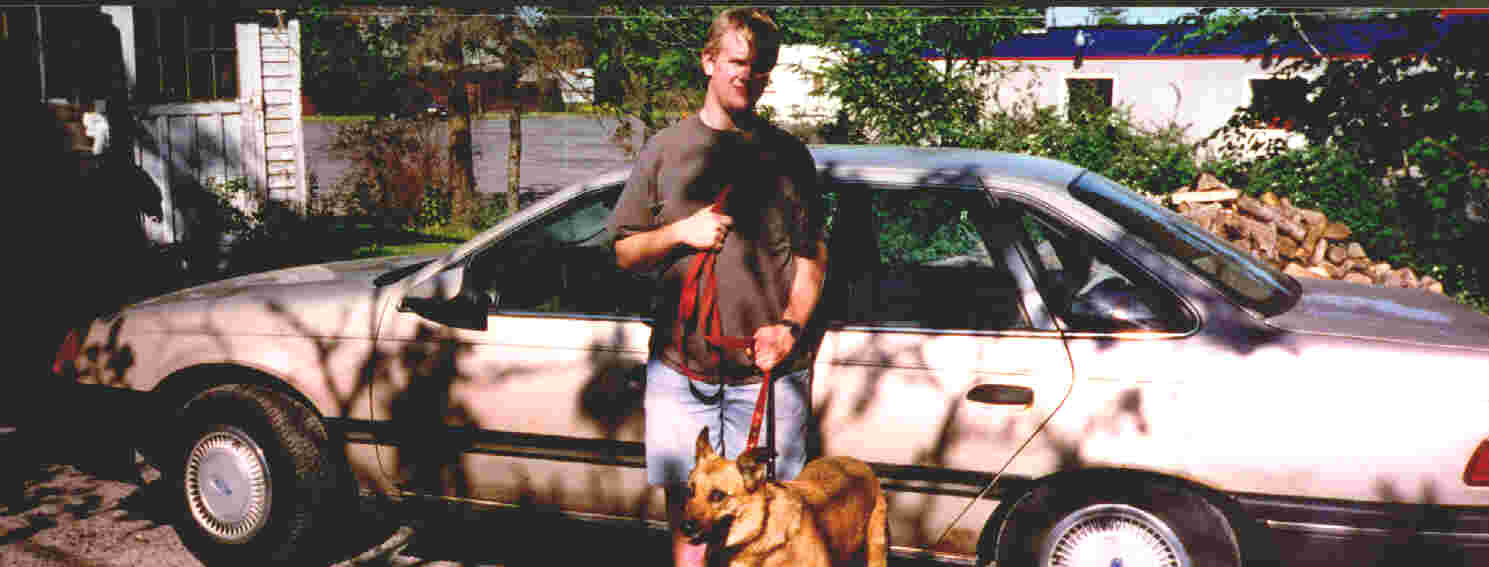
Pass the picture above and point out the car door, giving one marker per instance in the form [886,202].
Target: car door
[1127,332]
[931,366]
[540,403]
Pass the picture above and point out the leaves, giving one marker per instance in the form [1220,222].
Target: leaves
[1405,130]
[889,92]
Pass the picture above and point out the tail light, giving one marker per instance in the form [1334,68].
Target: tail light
[68,352]
[1477,473]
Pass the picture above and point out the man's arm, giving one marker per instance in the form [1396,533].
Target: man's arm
[774,342]
[704,230]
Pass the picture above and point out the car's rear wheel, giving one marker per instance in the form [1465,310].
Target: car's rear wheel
[1130,524]
[1112,534]
[256,474]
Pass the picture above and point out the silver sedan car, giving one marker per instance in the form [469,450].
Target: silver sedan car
[1043,367]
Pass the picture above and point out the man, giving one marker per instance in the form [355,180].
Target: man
[771,259]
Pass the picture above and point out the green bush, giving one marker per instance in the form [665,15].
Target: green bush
[396,164]
[1381,216]
[1154,160]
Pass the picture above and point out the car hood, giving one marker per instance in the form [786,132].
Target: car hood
[1394,314]
[359,273]
[332,299]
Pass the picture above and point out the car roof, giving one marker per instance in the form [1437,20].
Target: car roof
[918,165]
[939,166]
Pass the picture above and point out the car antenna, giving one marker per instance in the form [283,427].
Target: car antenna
[1070,387]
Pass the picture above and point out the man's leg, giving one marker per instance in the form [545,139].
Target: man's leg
[793,415]
[674,415]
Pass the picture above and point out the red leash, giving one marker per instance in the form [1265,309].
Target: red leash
[700,291]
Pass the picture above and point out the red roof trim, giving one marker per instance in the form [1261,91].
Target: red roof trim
[1145,58]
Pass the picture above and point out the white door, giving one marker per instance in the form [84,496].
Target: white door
[539,402]
[931,367]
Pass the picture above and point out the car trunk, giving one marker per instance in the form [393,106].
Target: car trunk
[1406,315]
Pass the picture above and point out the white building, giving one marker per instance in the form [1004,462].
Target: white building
[791,84]
[1129,67]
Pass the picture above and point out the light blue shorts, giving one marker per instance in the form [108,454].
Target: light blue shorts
[677,408]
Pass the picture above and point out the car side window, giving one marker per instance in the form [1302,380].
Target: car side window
[1092,288]
[563,264]
[918,258]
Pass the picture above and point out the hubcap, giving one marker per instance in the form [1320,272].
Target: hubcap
[227,484]
[1113,535]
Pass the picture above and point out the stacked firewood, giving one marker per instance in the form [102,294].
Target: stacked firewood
[1301,242]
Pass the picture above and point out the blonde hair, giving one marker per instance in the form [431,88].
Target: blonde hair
[758,28]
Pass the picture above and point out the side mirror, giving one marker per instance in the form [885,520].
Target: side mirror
[445,299]
[443,286]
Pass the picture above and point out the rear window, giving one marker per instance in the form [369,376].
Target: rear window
[1244,279]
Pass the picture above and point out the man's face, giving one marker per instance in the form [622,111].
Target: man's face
[733,79]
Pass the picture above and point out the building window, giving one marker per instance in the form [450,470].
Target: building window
[1277,103]
[186,55]
[1087,98]
[65,53]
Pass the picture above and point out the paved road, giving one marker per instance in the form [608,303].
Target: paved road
[556,151]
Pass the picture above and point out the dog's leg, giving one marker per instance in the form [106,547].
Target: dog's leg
[877,543]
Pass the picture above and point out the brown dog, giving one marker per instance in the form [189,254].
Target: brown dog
[834,513]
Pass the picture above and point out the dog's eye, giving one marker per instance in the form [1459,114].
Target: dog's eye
[717,496]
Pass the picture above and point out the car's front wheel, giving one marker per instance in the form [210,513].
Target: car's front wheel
[255,476]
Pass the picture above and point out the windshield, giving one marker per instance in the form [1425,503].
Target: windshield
[1238,274]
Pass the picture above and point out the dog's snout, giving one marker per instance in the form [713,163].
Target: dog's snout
[689,528]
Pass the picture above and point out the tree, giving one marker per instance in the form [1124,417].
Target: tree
[648,74]
[889,93]
[1414,113]
[354,58]
[461,44]
[647,66]
[1109,16]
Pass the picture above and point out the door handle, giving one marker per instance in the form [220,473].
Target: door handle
[1001,394]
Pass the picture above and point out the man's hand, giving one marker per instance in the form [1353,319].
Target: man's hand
[704,230]
[772,344]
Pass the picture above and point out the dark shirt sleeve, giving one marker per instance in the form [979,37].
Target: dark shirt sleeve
[640,201]
[812,210]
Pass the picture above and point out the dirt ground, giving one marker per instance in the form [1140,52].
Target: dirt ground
[62,509]
[61,516]
[65,505]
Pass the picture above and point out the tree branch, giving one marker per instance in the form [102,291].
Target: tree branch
[1299,27]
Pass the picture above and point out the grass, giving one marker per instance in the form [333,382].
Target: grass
[432,240]
[331,239]
[416,249]
[342,239]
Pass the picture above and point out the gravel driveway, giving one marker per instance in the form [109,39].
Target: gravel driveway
[55,514]
[93,514]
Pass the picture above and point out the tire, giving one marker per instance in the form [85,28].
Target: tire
[254,475]
[1147,523]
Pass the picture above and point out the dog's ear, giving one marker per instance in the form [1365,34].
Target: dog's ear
[703,449]
[751,466]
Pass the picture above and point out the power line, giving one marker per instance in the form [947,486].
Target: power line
[662,17]
[864,16]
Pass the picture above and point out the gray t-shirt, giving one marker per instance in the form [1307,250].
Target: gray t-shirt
[777,212]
